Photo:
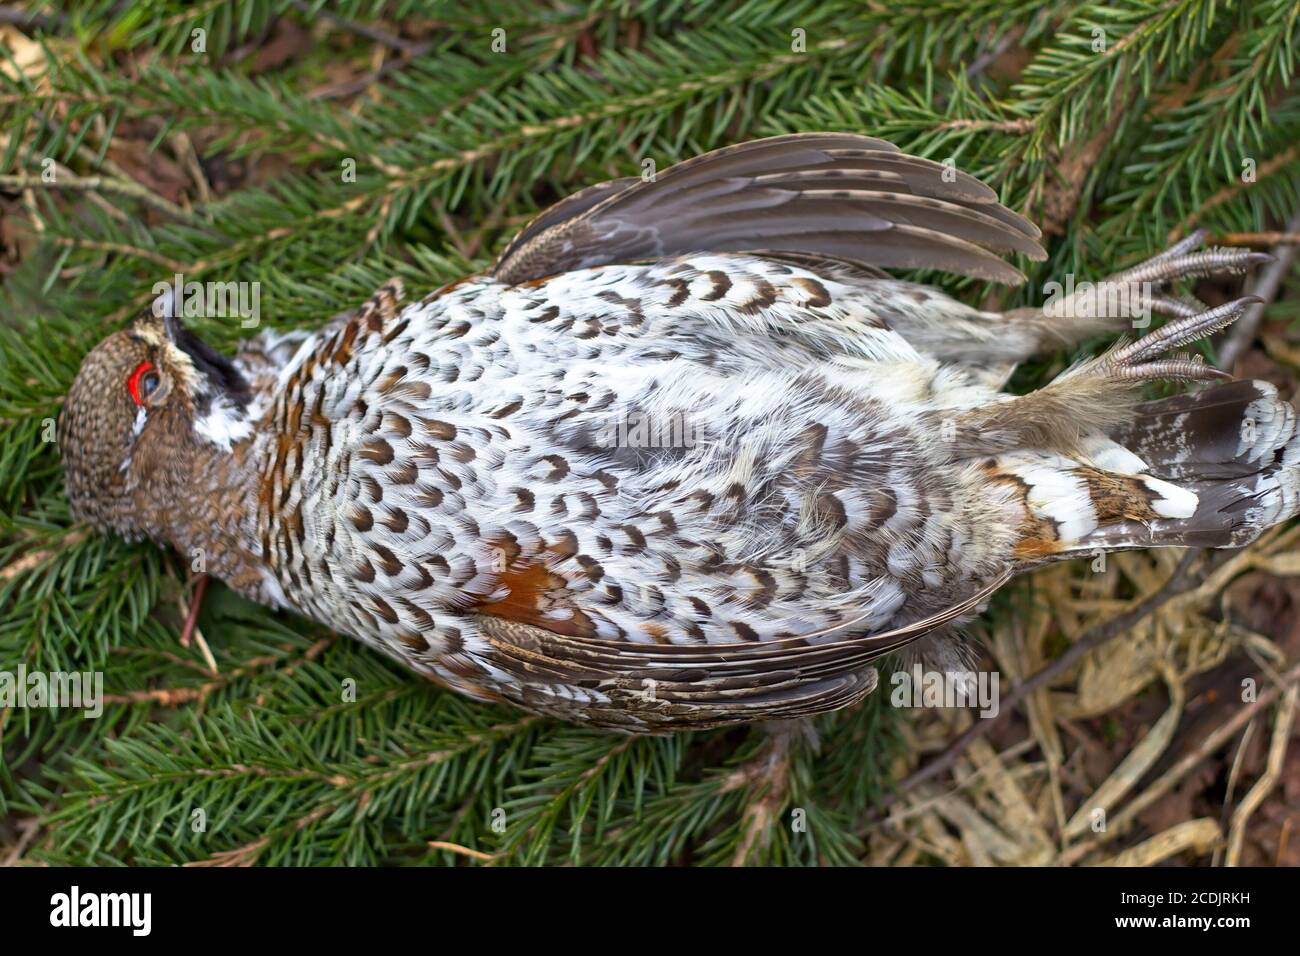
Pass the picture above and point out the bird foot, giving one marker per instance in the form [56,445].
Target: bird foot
[1097,394]
[190,632]
[1139,361]
[1136,293]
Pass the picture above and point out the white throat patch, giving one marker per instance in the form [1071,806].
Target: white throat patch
[224,424]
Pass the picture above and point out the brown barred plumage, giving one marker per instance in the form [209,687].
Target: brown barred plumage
[684,456]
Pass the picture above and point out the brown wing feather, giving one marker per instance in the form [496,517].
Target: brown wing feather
[568,208]
[826,194]
[662,687]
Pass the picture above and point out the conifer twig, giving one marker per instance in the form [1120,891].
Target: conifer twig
[71,181]
[1229,192]
[1270,284]
[34,559]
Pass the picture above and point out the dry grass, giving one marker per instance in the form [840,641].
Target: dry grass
[1058,794]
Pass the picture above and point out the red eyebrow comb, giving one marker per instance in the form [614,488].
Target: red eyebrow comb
[133,383]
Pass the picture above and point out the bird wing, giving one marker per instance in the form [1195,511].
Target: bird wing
[835,195]
[668,686]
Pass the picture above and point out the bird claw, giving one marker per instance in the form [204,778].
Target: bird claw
[1140,361]
[1138,291]
[1186,259]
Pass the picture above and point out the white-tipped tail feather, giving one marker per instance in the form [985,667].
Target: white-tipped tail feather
[1212,469]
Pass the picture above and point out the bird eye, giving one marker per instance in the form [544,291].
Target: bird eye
[144,381]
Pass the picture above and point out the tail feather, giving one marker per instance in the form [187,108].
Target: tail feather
[1211,469]
[1236,447]
[1226,432]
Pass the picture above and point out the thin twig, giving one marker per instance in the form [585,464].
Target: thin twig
[190,630]
[27,830]
[34,558]
[1178,771]
[94,184]
[461,850]
[409,50]
[1089,642]
[1264,785]
[179,696]
[342,91]
[402,45]
[1231,792]
[120,175]
[769,775]
[1228,192]
[1256,239]
[123,249]
[189,157]
[1270,283]
[29,21]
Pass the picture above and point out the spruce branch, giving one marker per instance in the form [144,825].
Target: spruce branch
[454,148]
[68,180]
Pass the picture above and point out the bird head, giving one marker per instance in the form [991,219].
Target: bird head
[146,402]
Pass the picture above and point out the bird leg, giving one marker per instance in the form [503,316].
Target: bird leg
[190,630]
[192,616]
[1097,394]
[1132,295]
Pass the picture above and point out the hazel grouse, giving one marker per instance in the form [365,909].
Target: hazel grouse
[684,456]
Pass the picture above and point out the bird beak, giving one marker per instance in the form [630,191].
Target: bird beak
[159,322]
[165,307]
[172,326]
[219,372]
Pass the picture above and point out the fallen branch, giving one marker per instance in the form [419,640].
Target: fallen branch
[1270,283]
[1265,784]
[1089,642]
[1209,745]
